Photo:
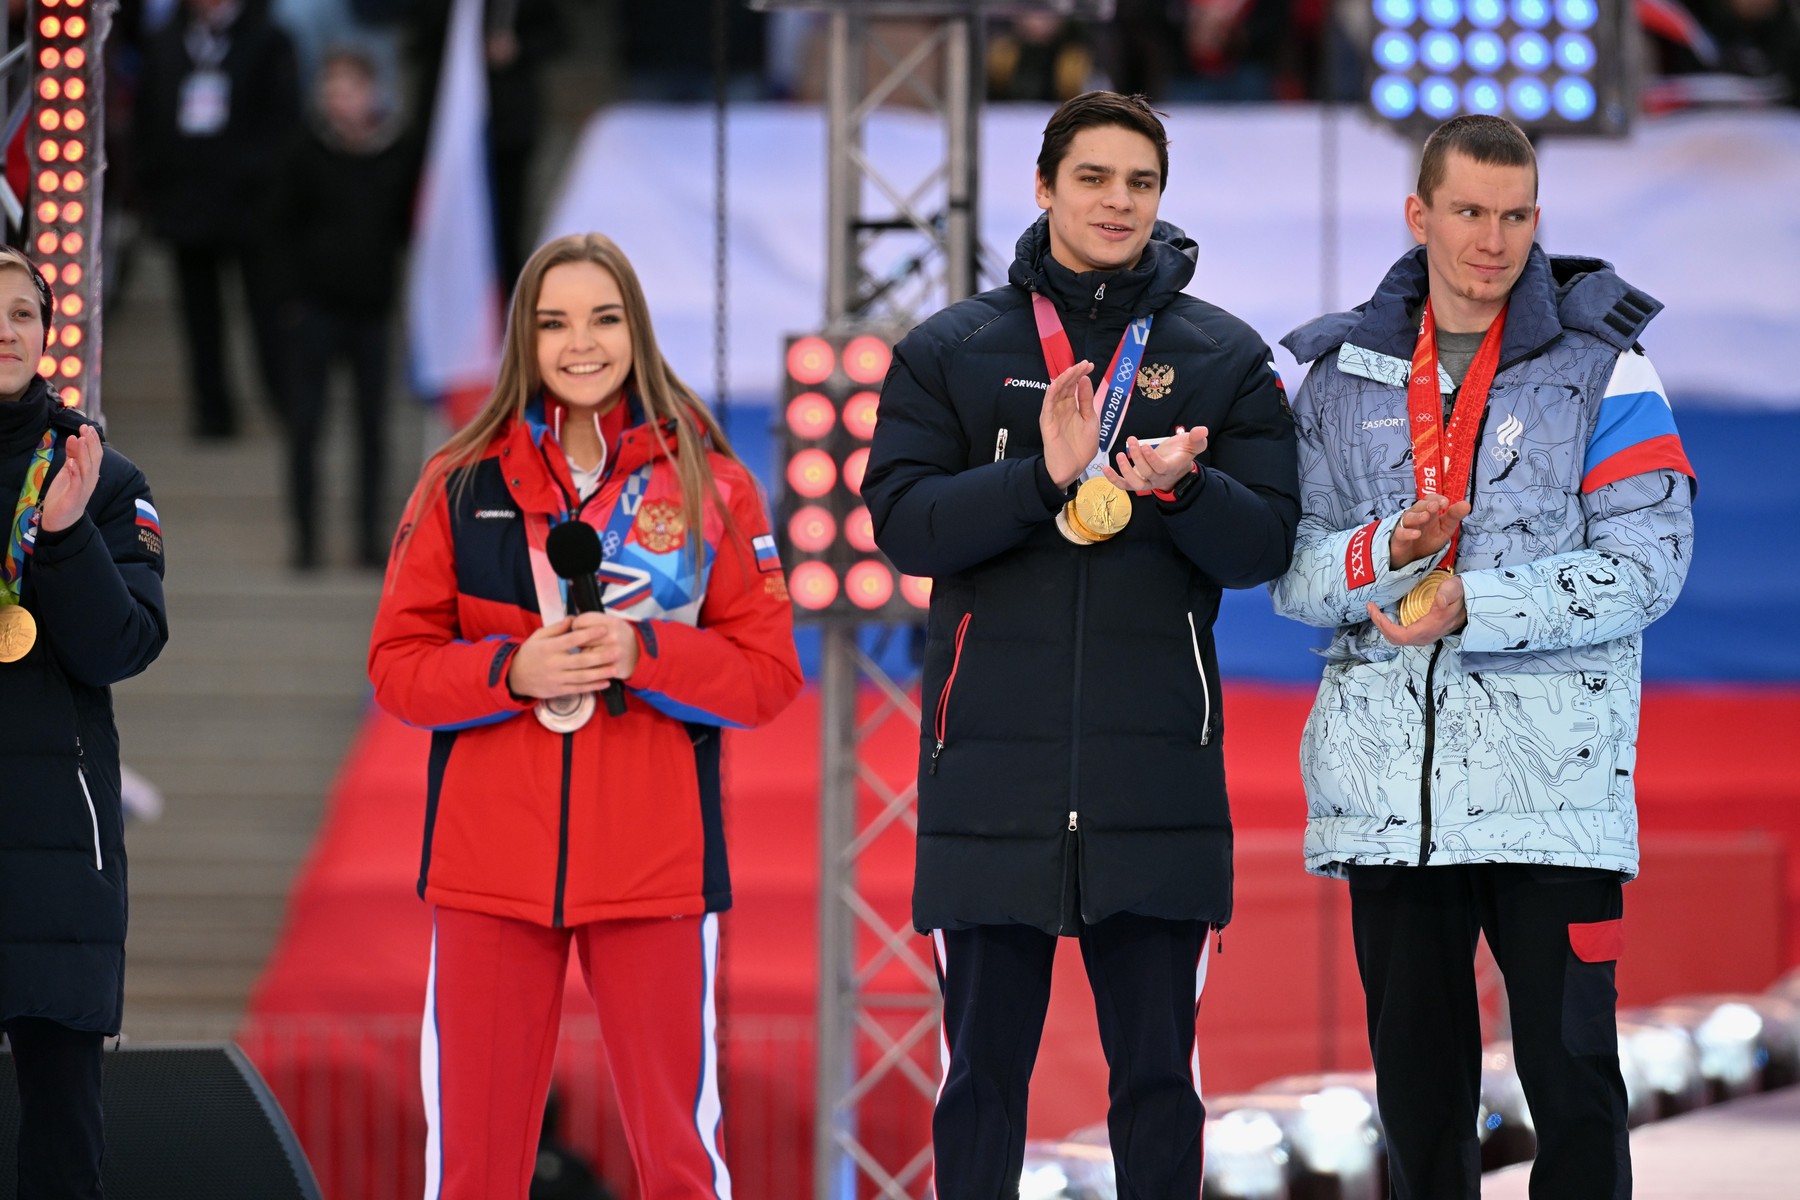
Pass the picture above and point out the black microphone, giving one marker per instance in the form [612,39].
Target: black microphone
[574,551]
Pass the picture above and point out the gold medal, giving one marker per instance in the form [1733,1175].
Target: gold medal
[1418,602]
[18,632]
[1100,509]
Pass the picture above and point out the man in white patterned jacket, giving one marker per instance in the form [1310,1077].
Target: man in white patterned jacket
[1468,762]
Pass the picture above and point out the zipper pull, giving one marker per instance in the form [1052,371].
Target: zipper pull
[1219,940]
[1099,295]
[1000,445]
[934,757]
[1072,823]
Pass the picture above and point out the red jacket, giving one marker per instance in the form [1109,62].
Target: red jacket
[622,817]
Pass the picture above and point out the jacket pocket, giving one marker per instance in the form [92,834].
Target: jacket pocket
[940,721]
[1205,688]
[93,816]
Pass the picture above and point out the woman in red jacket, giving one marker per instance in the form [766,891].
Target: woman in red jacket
[549,819]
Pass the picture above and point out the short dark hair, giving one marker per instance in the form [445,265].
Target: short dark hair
[1092,109]
[1491,141]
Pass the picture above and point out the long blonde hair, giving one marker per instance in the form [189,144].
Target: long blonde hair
[664,396]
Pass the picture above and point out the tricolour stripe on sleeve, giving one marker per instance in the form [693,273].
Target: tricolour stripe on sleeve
[1635,433]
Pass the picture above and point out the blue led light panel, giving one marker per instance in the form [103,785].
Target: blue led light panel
[1554,66]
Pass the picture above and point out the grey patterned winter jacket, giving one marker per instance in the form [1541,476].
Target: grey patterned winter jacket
[1515,739]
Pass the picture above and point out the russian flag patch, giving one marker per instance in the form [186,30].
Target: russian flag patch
[767,558]
[147,518]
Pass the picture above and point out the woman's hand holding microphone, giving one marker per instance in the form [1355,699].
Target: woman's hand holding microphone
[577,654]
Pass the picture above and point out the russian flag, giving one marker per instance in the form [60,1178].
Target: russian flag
[767,557]
[453,309]
[1635,433]
[147,518]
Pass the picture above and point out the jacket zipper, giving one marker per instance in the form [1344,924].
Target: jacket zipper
[562,831]
[1074,827]
[1099,295]
[93,815]
[1430,748]
[1205,689]
[941,723]
[1000,445]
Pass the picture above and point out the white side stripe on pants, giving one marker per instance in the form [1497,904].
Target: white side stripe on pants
[428,1079]
[1199,987]
[707,1109]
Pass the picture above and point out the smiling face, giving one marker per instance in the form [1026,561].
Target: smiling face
[1477,228]
[1103,201]
[583,339]
[21,332]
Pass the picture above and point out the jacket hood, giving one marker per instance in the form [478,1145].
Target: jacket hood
[1554,293]
[1166,267]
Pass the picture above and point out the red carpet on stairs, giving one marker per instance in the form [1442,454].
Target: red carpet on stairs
[333,1020]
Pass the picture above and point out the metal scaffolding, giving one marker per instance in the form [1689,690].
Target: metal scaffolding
[896,251]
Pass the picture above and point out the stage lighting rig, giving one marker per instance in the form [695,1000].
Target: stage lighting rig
[61,216]
[1552,66]
[831,394]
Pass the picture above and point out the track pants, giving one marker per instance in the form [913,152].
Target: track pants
[1555,932]
[493,1002]
[1146,975]
[61,1132]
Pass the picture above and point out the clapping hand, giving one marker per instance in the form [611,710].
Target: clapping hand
[68,494]
[1069,425]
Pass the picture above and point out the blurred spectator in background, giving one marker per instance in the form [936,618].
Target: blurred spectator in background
[1040,56]
[522,35]
[340,215]
[218,103]
[1761,39]
[1207,50]
[668,49]
[317,27]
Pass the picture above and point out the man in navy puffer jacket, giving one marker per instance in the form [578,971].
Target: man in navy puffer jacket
[1071,773]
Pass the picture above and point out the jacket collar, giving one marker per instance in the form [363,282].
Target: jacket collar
[537,471]
[1167,265]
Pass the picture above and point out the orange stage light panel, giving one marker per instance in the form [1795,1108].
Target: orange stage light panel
[76,58]
[71,243]
[854,465]
[866,359]
[49,118]
[810,360]
[74,119]
[71,305]
[48,181]
[810,415]
[75,27]
[70,335]
[859,414]
[72,397]
[811,473]
[71,212]
[859,530]
[917,590]
[73,150]
[75,89]
[72,274]
[813,585]
[48,150]
[74,181]
[46,243]
[71,367]
[50,27]
[48,271]
[46,365]
[50,58]
[811,529]
[49,89]
[869,584]
[46,212]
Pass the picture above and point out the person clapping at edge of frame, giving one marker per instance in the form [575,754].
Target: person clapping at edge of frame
[549,823]
[339,216]
[1497,505]
[81,607]
[1071,767]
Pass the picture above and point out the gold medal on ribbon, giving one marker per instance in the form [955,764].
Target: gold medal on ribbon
[18,633]
[1418,602]
[1098,512]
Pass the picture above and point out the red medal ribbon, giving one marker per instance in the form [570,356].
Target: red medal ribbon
[1443,463]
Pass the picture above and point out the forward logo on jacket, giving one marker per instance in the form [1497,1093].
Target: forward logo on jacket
[1155,380]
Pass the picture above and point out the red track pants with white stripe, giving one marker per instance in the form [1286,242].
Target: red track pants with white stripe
[493,1003]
